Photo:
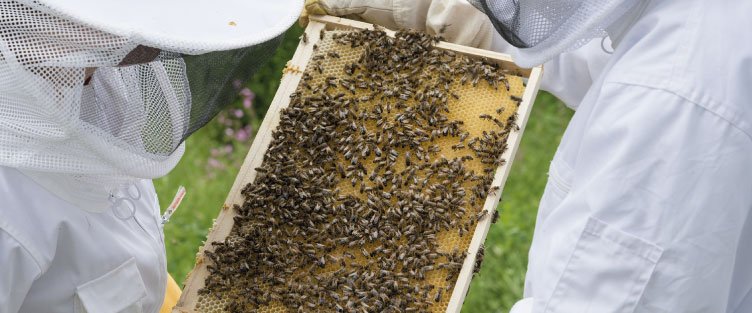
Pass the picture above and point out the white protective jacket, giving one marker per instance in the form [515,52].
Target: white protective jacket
[57,258]
[649,194]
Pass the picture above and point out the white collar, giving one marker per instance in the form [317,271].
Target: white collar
[78,191]
[619,28]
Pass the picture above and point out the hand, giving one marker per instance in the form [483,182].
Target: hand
[456,20]
[381,12]
[312,7]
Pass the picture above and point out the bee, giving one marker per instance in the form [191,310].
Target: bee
[495,217]
[481,215]
[493,190]
[304,37]
[479,259]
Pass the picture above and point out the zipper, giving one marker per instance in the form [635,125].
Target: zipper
[157,244]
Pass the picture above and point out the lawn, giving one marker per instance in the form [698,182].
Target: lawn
[501,279]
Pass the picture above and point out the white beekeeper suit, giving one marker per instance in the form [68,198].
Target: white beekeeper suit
[648,198]
[96,98]
[57,257]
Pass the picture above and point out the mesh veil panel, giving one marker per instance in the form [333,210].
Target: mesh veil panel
[211,76]
[542,29]
[525,24]
[505,18]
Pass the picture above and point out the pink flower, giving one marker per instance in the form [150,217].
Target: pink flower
[229,132]
[241,135]
[238,113]
[247,93]
[214,152]
[228,149]
[247,102]
[237,83]
[214,163]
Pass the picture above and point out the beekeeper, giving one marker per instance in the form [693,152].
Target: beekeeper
[96,98]
[649,194]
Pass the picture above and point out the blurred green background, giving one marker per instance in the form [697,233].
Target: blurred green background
[214,154]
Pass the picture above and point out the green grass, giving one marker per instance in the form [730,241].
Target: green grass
[501,279]
[205,194]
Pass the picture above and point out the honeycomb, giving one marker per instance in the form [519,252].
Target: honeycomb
[470,102]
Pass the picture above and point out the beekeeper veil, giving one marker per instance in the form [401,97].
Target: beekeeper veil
[541,29]
[107,91]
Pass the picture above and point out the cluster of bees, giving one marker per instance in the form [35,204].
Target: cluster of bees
[356,191]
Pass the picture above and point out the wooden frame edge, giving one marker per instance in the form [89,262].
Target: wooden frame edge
[290,81]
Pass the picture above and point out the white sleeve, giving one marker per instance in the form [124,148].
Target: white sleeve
[658,206]
[19,270]
[569,75]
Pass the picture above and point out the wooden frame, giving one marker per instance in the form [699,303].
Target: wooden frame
[290,80]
